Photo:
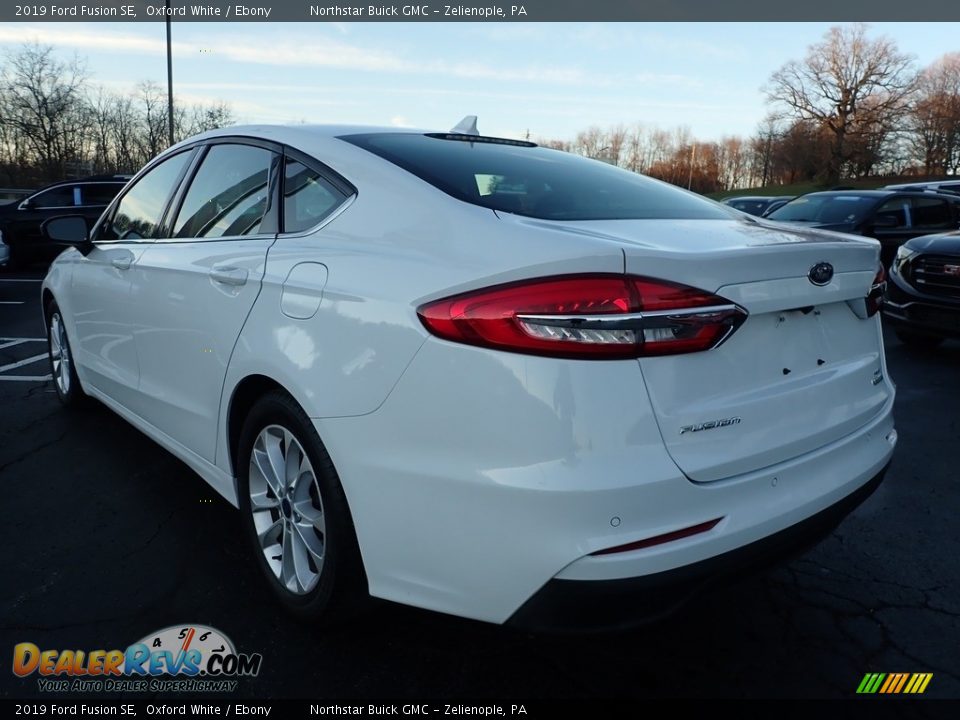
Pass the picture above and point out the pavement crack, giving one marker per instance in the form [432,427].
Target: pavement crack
[32,451]
[153,537]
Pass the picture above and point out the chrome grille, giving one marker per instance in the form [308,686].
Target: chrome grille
[937,275]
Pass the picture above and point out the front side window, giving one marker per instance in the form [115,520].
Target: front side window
[141,208]
[61,196]
[229,195]
[894,214]
[307,197]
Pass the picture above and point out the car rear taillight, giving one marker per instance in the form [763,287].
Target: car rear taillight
[586,317]
[877,289]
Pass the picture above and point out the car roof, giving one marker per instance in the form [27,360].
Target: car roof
[290,134]
[756,198]
[860,193]
[923,183]
[119,179]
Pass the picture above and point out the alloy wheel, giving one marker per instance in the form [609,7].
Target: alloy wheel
[287,509]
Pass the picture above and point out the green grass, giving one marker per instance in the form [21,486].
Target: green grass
[870,183]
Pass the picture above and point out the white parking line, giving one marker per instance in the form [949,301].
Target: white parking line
[6,342]
[19,280]
[11,302]
[11,343]
[35,358]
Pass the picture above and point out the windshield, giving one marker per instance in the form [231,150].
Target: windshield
[834,209]
[527,180]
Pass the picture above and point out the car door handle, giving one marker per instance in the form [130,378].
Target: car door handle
[121,263]
[229,276]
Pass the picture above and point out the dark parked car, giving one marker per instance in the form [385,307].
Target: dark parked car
[20,220]
[890,216]
[777,204]
[943,186]
[923,294]
[755,204]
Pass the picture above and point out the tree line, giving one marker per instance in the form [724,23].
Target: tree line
[853,107]
[55,123]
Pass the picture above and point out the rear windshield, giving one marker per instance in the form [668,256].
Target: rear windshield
[825,209]
[534,181]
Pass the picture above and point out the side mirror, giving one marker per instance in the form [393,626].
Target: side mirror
[66,230]
[27,204]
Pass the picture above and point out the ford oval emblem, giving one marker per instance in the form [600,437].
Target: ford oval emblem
[821,273]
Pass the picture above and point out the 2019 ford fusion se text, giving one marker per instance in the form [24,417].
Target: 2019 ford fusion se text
[474,375]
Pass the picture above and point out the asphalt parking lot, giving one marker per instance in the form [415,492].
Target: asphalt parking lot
[106,538]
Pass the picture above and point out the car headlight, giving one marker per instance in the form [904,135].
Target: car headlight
[902,261]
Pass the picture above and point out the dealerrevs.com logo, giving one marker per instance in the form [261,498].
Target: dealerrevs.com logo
[180,658]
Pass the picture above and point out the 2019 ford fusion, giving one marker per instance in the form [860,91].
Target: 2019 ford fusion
[475,375]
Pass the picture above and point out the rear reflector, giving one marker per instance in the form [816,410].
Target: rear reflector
[586,317]
[661,539]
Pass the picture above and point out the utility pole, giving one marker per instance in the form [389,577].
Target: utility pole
[169,80]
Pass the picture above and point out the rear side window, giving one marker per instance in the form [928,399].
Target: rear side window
[931,214]
[534,181]
[307,197]
[229,194]
[99,193]
[140,209]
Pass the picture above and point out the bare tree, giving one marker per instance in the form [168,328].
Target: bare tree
[846,83]
[935,119]
[153,107]
[43,105]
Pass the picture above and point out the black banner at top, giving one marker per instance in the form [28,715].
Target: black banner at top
[473,11]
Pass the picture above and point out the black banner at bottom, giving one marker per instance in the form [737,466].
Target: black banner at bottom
[871,707]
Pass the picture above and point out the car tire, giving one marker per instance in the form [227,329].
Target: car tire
[917,340]
[63,370]
[297,520]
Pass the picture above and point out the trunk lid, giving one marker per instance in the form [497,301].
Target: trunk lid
[804,370]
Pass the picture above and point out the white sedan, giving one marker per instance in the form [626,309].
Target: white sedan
[475,375]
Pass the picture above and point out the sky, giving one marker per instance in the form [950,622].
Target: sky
[549,79]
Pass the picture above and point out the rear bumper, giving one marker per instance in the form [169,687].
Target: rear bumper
[594,605]
[469,499]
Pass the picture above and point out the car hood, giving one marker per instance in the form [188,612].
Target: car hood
[946,244]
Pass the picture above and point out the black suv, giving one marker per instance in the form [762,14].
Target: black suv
[20,220]
[890,216]
[923,295]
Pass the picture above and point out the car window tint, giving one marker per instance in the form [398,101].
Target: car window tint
[897,210]
[99,193]
[228,195]
[846,209]
[534,181]
[61,196]
[307,197]
[931,213]
[140,209]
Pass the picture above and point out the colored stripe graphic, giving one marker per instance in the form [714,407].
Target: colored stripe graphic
[894,683]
